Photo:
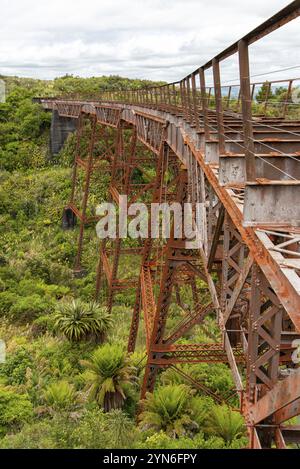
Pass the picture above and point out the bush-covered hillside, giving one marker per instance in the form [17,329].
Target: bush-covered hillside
[67,381]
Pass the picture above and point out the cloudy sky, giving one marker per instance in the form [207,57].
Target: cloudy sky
[154,39]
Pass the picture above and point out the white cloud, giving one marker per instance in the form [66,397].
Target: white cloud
[155,39]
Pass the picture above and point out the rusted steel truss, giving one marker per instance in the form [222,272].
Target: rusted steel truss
[243,174]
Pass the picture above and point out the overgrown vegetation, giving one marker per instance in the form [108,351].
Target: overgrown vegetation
[67,381]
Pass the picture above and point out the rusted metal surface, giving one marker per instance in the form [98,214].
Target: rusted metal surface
[282,394]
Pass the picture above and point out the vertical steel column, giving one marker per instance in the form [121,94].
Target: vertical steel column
[155,96]
[151,96]
[194,93]
[209,97]
[246,110]
[204,103]
[228,97]
[267,97]
[164,97]
[264,337]
[288,95]
[238,101]
[160,96]
[99,271]
[160,171]
[77,266]
[166,286]
[183,99]
[169,98]
[188,90]
[174,98]
[219,107]
[252,92]
[77,148]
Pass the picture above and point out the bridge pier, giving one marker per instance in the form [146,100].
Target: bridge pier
[61,127]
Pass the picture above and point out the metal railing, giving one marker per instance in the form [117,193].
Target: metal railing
[190,96]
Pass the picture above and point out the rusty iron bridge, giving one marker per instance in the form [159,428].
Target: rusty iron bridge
[188,142]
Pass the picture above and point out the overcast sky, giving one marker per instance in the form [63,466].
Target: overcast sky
[154,39]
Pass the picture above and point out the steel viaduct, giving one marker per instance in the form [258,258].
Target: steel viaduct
[204,145]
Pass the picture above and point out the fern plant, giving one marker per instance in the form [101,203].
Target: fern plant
[226,423]
[60,395]
[108,374]
[168,409]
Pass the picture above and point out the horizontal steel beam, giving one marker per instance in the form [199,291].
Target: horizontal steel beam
[283,394]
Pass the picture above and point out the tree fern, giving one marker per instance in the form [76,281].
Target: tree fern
[226,423]
[168,409]
[108,374]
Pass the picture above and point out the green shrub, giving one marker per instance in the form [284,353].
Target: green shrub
[90,430]
[15,409]
[52,433]
[15,367]
[37,435]
[60,395]
[27,308]
[163,441]
[42,324]
[58,359]
[7,300]
[39,287]
[105,430]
